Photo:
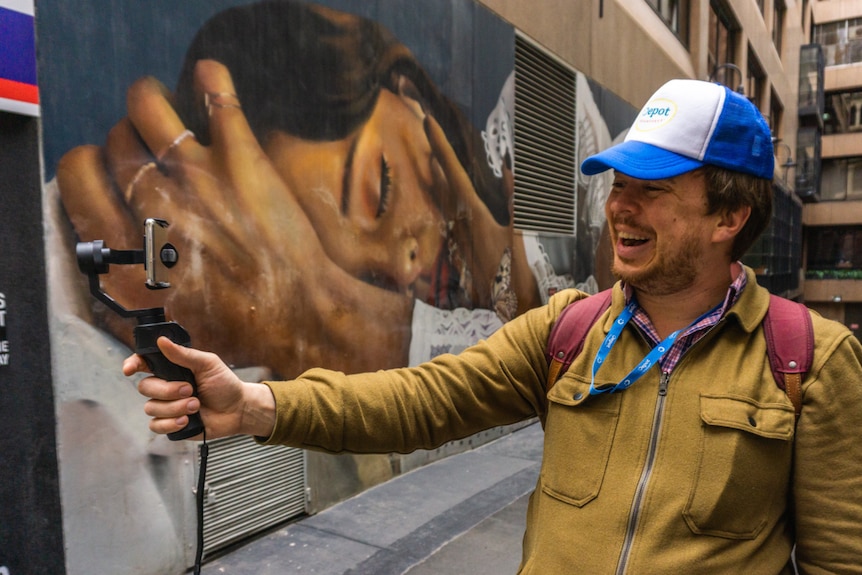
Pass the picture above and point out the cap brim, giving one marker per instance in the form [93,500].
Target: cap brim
[639,160]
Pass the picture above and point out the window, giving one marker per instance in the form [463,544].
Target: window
[776,116]
[808,163]
[844,112]
[675,15]
[841,179]
[778,14]
[755,83]
[841,41]
[833,180]
[722,44]
[811,97]
[854,179]
[834,252]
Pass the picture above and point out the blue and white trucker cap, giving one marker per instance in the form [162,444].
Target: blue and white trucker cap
[687,124]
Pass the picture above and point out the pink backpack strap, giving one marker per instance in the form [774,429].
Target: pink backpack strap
[790,345]
[570,330]
[787,326]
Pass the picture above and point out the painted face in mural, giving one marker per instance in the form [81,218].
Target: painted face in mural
[371,196]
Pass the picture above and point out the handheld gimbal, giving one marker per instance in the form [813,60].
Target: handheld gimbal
[158,256]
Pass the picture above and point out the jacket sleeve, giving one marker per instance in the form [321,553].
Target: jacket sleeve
[498,381]
[827,476]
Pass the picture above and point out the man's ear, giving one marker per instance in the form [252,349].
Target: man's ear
[730,223]
[410,95]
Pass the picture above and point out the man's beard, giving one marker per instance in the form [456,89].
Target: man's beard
[670,273]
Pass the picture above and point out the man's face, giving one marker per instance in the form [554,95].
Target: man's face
[660,232]
[372,196]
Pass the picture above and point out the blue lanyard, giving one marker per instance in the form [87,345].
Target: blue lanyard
[652,358]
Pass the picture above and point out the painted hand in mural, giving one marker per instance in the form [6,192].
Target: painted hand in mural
[252,268]
[294,244]
[470,218]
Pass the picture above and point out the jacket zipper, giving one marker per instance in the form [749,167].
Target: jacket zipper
[634,514]
[658,416]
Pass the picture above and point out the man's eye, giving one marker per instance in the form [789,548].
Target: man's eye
[385,187]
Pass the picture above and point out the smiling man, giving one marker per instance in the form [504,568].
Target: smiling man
[693,173]
[668,445]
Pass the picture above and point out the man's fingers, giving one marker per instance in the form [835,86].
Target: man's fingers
[170,402]
[183,356]
[168,398]
[134,364]
[164,426]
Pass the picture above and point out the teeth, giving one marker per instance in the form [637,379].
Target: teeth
[628,236]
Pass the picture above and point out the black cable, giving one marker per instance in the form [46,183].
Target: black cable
[200,503]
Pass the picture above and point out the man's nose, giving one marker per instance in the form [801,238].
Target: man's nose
[622,200]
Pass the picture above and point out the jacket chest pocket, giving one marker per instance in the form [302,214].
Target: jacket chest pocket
[743,467]
[579,433]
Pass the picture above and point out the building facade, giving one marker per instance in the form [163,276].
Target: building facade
[833,223]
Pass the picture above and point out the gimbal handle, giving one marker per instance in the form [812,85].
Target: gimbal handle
[146,335]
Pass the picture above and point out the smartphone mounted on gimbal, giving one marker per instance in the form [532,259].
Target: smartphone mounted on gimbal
[158,256]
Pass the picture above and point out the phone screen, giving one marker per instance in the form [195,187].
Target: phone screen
[156,242]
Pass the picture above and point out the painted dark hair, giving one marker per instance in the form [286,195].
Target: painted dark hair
[316,73]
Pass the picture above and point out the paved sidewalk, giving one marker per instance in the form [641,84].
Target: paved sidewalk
[462,514]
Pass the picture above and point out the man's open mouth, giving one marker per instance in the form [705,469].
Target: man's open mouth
[630,240]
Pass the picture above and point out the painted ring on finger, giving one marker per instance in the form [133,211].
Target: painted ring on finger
[214,100]
[184,135]
[142,171]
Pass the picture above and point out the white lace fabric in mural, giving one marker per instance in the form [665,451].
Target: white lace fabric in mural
[437,331]
[498,135]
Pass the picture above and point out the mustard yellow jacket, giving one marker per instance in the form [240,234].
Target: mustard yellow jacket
[702,471]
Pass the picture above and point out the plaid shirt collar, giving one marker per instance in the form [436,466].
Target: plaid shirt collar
[697,330]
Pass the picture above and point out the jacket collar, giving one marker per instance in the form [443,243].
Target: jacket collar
[752,305]
[749,310]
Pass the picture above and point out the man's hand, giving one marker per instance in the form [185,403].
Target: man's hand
[228,406]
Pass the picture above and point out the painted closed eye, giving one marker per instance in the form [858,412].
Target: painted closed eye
[385,187]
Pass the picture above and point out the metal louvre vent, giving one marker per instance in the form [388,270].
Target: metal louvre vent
[250,488]
[545,134]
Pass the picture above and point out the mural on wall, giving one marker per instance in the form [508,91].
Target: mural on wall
[319,186]
[338,179]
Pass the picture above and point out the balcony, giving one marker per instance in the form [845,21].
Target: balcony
[833,290]
[841,145]
[844,213]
